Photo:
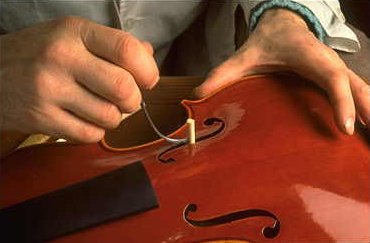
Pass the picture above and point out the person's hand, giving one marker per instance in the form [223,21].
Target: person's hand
[282,41]
[72,78]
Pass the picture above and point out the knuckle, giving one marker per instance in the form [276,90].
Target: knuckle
[69,22]
[59,51]
[132,103]
[336,77]
[124,87]
[88,134]
[40,78]
[44,86]
[219,71]
[61,43]
[365,90]
[126,44]
[337,74]
[148,76]
[119,84]
[125,95]
[148,47]
[111,117]
[120,88]
[54,51]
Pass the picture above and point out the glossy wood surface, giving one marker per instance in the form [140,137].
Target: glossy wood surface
[279,151]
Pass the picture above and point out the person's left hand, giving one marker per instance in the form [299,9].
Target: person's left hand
[281,42]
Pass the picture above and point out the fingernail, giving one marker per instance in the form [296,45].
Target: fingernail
[349,126]
[362,121]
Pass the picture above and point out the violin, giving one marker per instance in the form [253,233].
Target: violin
[269,165]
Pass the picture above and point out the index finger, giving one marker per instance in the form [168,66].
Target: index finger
[123,49]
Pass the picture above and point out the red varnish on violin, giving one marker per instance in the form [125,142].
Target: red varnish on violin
[269,165]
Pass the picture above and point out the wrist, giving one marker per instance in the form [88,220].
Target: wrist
[277,20]
[279,12]
[273,18]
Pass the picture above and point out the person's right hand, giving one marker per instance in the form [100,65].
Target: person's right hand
[72,78]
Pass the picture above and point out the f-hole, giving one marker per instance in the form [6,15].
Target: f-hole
[267,231]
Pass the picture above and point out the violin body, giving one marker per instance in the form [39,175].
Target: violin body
[269,165]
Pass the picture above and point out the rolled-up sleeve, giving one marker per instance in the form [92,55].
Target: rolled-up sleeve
[338,35]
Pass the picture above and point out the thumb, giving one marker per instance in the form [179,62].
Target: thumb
[231,70]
